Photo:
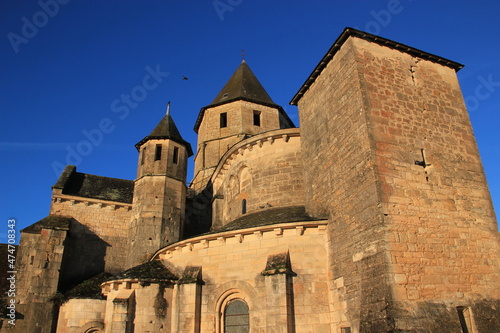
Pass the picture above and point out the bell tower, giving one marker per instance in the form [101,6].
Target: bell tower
[241,109]
[159,191]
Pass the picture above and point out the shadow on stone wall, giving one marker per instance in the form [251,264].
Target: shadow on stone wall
[198,218]
[84,256]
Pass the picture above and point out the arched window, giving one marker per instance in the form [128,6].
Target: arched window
[236,319]
[245,179]
[93,327]
[233,187]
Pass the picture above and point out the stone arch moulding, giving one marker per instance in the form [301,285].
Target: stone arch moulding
[223,300]
[93,327]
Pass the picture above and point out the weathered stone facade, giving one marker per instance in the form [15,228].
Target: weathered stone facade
[374,216]
[410,203]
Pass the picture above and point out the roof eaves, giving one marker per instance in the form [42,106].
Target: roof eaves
[348,32]
[182,142]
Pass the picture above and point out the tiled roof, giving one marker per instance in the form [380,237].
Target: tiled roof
[90,288]
[49,222]
[97,187]
[268,217]
[243,85]
[149,270]
[166,129]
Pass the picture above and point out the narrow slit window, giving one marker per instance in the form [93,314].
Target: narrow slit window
[143,155]
[244,206]
[158,153]
[175,158]
[256,118]
[223,120]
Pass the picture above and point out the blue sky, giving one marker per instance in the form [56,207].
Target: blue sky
[67,68]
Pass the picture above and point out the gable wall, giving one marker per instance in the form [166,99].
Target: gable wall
[107,221]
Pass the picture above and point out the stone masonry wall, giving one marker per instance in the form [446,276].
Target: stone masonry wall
[79,315]
[107,221]
[158,216]
[40,257]
[265,170]
[159,199]
[149,165]
[442,232]
[340,183]
[405,178]
[232,264]
[214,141]
[152,305]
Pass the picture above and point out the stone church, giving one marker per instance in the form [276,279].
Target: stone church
[373,216]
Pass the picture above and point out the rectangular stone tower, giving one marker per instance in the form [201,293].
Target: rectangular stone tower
[392,161]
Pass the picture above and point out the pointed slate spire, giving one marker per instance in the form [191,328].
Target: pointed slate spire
[166,129]
[243,85]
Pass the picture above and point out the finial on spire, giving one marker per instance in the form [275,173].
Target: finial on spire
[168,108]
[242,55]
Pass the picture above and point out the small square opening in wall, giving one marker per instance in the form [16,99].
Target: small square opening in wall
[345,330]
[223,119]
[256,118]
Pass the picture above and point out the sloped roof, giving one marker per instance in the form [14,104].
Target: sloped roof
[242,85]
[90,288]
[149,270]
[166,129]
[350,32]
[96,187]
[49,222]
[268,217]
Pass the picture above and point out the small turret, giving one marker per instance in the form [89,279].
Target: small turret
[159,191]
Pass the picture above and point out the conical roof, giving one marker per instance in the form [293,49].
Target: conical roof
[243,85]
[166,129]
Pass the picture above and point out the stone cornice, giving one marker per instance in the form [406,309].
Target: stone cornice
[126,284]
[59,198]
[219,239]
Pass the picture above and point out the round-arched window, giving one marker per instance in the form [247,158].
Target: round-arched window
[236,319]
